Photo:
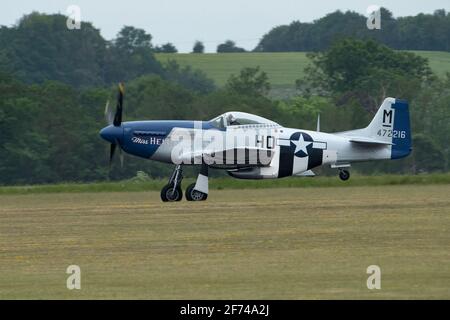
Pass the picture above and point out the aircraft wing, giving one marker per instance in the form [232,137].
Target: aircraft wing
[249,156]
[308,173]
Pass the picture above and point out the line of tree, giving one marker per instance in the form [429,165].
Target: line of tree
[229,46]
[166,48]
[420,32]
[40,47]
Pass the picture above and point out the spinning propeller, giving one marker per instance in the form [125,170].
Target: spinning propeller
[114,120]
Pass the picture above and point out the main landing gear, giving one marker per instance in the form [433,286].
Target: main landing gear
[194,192]
[195,195]
[172,190]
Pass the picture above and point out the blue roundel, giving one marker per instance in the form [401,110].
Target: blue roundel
[301,144]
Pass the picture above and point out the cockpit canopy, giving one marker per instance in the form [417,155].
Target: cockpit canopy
[236,118]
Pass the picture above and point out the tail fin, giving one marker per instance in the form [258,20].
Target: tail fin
[391,124]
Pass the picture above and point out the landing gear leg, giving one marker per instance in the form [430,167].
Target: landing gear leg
[344,175]
[172,190]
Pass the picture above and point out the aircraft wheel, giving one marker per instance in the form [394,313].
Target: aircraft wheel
[194,195]
[344,175]
[168,194]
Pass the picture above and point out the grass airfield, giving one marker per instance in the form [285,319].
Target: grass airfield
[284,243]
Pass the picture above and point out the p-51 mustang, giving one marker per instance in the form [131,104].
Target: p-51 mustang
[251,147]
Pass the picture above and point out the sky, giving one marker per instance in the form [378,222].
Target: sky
[211,21]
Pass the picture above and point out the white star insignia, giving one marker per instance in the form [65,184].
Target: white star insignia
[301,145]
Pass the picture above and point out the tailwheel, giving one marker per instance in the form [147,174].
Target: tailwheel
[171,194]
[344,175]
[195,195]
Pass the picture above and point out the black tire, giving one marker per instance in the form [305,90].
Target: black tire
[194,195]
[168,195]
[344,175]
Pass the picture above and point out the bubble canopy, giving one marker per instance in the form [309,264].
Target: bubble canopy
[237,118]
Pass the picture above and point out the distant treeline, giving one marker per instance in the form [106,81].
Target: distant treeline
[54,84]
[420,32]
[40,47]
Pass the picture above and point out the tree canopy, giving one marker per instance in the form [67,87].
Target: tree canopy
[250,81]
[166,48]
[365,70]
[40,48]
[229,46]
[420,32]
[199,47]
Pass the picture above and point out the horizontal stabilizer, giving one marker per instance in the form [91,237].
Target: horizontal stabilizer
[364,140]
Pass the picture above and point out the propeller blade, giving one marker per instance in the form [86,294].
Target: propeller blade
[109,116]
[113,150]
[118,116]
[121,156]
[111,154]
[116,120]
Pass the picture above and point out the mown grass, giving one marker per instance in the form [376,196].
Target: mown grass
[283,68]
[230,183]
[310,243]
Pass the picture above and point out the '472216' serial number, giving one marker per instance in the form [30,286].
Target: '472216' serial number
[396,134]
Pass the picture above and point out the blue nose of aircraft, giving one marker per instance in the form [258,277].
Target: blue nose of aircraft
[112,133]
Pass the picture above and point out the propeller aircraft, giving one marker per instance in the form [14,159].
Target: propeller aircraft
[248,146]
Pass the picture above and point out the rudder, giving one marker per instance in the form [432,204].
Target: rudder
[401,133]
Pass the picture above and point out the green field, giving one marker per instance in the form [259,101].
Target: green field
[283,68]
[282,243]
[228,183]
